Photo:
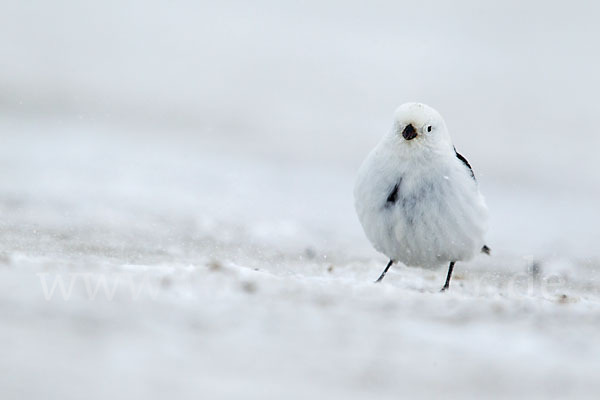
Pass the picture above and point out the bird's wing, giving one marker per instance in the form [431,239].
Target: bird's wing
[485,249]
[464,161]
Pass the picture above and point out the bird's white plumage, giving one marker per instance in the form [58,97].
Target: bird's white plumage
[438,214]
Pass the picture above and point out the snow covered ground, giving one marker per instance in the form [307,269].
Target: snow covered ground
[176,215]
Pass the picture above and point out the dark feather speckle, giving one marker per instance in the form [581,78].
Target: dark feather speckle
[393,196]
[464,161]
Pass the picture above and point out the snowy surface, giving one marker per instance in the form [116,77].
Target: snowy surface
[188,180]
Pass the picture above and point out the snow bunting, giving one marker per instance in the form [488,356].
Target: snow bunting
[417,198]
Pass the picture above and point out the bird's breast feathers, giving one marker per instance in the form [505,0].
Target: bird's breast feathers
[421,214]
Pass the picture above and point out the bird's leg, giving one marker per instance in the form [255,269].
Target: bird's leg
[448,277]
[384,271]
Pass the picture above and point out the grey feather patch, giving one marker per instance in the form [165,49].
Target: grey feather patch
[393,196]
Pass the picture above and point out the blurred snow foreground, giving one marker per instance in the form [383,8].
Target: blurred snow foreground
[143,267]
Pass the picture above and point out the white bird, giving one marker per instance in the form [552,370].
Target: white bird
[417,198]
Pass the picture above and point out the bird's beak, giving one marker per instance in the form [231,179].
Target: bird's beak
[409,133]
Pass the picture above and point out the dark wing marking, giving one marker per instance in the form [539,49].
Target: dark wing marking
[464,161]
[393,196]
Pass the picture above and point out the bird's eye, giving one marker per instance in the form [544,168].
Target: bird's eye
[429,128]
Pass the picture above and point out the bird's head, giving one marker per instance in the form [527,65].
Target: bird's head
[418,126]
